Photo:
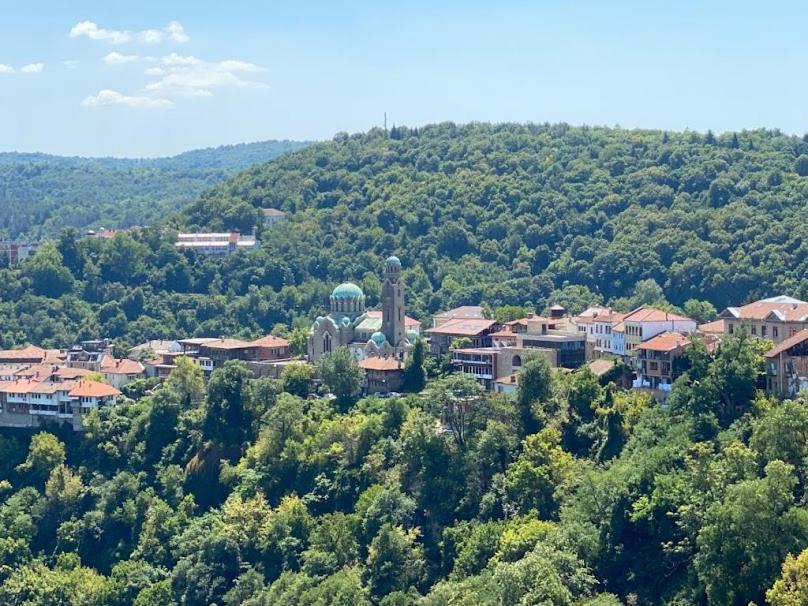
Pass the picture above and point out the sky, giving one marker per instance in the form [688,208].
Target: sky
[153,78]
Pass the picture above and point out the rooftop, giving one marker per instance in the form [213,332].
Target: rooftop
[667,341]
[652,314]
[464,327]
[782,308]
[271,341]
[715,328]
[93,389]
[788,343]
[464,311]
[273,212]
[388,364]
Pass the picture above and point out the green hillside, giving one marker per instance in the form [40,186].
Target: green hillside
[507,213]
[41,194]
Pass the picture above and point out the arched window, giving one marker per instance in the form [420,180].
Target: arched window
[517,362]
[327,343]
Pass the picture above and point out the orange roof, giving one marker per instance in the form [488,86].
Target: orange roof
[408,321]
[716,327]
[591,312]
[228,344]
[652,314]
[121,366]
[793,340]
[506,334]
[93,389]
[782,308]
[667,341]
[508,380]
[19,386]
[31,352]
[601,367]
[271,341]
[465,327]
[387,364]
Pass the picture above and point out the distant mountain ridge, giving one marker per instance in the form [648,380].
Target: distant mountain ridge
[42,193]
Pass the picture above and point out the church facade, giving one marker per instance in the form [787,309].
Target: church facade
[368,333]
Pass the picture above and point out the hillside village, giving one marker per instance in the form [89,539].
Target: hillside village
[640,349]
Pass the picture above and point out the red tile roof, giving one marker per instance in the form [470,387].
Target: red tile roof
[716,327]
[121,366]
[791,310]
[652,314]
[271,341]
[788,343]
[31,352]
[93,389]
[667,341]
[384,364]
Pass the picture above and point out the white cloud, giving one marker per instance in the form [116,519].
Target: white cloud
[173,32]
[32,68]
[91,30]
[6,69]
[116,58]
[106,98]
[192,77]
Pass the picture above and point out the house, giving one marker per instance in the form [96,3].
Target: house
[382,374]
[480,363]
[646,322]
[215,243]
[152,348]
[30,355]
[30,401]
[655,362]
[89,354]
[715,328]
[120,371]
[597,323]
[787,366]
[509,384]
[476,330]
[465,312]
[272,216]
[776,319]
[17,251]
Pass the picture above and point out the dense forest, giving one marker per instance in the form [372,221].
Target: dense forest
[570,493]
[505,215]
[41,194]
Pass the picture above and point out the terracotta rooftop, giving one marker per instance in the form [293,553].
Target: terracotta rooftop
[388,364]
[465,327]
[591,312]
[652,314]
[508,380]
[93,389]
[31,352]
[784,309]
[464,311]
[270,341]
[121,366]
[600,367]
[788,343]
[716,327]
[273,212]
[228,344]
[667,341]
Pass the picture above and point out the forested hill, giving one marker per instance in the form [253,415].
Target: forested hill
[40,194]
[508,213]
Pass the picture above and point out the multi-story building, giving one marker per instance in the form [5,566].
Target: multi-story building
[215,243]
[120,371]
[787,366]
[383,374]
[655,361]
[480,363]
[17,251]
[775,319]
[89,355]
[464,312]
[477,330]
[646,322]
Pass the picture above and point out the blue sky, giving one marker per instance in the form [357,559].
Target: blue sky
[155,78]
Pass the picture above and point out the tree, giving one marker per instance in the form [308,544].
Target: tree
[534,384]
[801,166]
[414,372]
[700,311]
[48,274]
[341,374]
[395,561]
[296,379]
[791,588]
[226,419]
[45,453]
[186,381]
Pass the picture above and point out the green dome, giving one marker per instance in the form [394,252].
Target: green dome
[378,338]
[412,335]
[393,261]
[347,290]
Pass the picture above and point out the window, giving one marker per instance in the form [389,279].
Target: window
[653,366]
[754,330]
[731,328]
[327,343]
[762,331]
[774,332]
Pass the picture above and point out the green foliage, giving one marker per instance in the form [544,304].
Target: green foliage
[341,375]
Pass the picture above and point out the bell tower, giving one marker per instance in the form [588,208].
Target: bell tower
[393,303]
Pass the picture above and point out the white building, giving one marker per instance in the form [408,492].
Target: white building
[215,243]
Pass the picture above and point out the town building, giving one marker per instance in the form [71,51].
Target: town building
[149,349]
[215,243]
[262,357]
[272,216]
[787,366]
[465,312]
[31,355]
[776,318]
[382,374]
[477,331]
[385,333]
[646,322]
[655,361]
[120,371]
[89,355]
[17,251]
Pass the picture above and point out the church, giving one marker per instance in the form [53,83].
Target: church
[368,333]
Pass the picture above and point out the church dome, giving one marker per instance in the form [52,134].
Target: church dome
[412,335]
[378,338]
[393,261]
[347,290]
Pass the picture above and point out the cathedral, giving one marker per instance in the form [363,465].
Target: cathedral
[385,333]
